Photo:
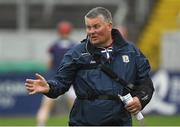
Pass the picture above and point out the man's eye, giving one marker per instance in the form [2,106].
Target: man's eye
[97,26]
[88,27]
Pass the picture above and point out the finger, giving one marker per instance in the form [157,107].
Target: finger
[30,88]
[38,76]
[30,81]
[130,108]
[134,105]
[130,104]
[134,111]
[28,85]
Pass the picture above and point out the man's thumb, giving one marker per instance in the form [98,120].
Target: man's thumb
[38,76]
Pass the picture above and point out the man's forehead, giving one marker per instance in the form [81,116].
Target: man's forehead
[96,20]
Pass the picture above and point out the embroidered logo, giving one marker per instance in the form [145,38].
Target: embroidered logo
[125,58]
[92,62]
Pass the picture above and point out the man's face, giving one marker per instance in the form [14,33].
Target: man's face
[99,31]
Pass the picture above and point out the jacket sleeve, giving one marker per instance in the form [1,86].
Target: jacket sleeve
[144,91]
[64,77]
[143,86]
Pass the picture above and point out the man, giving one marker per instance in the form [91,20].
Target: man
[56,51]
[97,102]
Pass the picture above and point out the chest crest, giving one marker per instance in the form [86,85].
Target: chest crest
[125,58]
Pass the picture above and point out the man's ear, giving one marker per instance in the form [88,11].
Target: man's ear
[110,26]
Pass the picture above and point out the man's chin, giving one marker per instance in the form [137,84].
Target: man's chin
[94,42]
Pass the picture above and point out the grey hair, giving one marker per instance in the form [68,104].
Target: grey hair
[93,13]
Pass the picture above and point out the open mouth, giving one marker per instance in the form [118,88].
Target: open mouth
[93,38]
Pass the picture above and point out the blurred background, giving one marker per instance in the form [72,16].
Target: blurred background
[28,27]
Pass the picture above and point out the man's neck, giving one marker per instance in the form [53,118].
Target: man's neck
[109,46]
[106,45]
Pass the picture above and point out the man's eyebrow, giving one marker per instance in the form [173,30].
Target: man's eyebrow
[93,25]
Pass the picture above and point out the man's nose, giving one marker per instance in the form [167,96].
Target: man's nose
[91,31]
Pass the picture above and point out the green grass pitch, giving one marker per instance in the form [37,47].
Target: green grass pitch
[150,120]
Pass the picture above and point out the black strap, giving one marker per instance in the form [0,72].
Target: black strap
[99,60]
[87,66]
[127,86]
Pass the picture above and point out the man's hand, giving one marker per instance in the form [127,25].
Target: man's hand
[135,106]
[38,85]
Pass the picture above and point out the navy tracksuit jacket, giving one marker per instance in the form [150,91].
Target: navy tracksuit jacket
[124,59]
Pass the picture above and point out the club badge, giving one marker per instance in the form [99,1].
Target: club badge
[125,58]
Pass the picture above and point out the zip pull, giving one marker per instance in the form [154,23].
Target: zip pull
[107,51]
